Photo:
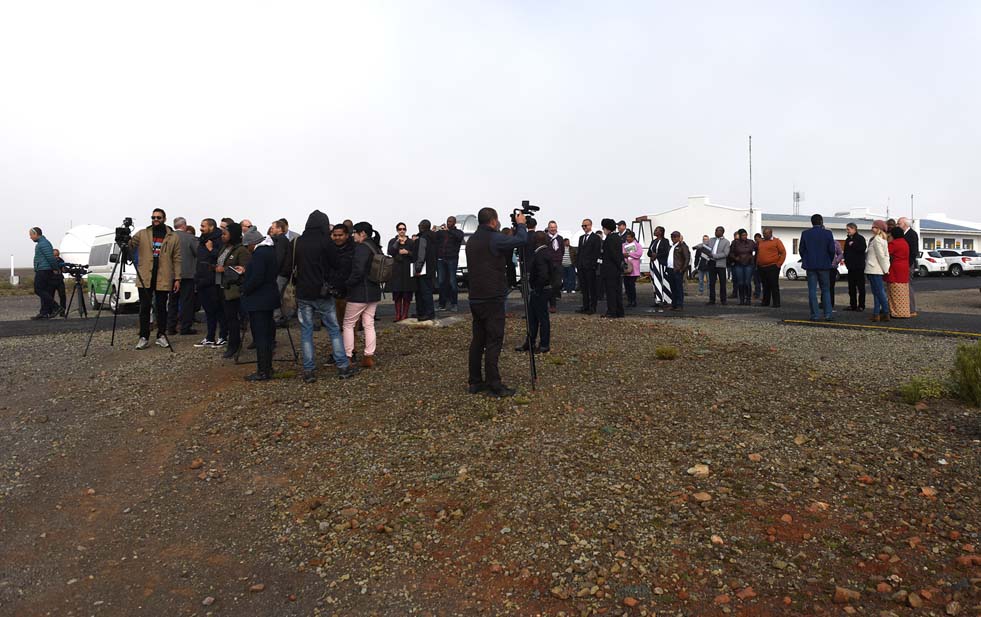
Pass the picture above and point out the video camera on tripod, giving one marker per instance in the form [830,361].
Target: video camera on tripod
[76,271]
[124,233]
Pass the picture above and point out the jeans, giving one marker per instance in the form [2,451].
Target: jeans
[324,307]
[568,279]
[43,289]
[486,342]
[539,325]
[717,273]
[816,278]
[676,278]
[757,282]
[448,289]
[880,302]
[232,307]
[630,288]
[703,276]
[281,283]
[743,280]
[212,312]
[425,309]
[770,276]
[366,312]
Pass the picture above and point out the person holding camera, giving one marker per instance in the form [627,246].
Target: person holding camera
[487,252]
[157,254]
[541,275]
[314,259]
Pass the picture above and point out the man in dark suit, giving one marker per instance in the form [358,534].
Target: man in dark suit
[855,247]
[586,257]
[612,270]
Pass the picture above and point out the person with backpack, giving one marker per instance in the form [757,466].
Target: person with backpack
[364,291]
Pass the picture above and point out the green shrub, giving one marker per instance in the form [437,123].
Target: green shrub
[965,377]
[921,388]
[666,352]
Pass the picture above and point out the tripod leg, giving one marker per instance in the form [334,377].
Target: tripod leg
[95,324]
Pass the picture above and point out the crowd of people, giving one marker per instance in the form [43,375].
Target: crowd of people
[334,276]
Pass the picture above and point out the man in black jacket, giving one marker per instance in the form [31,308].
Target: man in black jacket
[586,257]
[449,239]
[284,266]
[612,269]
[315,258]
[854,251]
[425,271]
[541,272]
[209,247]
[487,250]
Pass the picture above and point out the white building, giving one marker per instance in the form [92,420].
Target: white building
[700,217]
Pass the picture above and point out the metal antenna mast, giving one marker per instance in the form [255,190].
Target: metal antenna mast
[751,186]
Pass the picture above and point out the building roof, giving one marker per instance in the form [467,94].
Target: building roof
[805,219]
[943,226]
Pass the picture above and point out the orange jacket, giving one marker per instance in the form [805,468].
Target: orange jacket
[770,253]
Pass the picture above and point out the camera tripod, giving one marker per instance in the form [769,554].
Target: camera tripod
[114,285]
[289,336]
[77,291]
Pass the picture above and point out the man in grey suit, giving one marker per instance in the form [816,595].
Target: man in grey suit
[719,253]
[180,304]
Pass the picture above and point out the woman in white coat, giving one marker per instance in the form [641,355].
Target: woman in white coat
[877,266]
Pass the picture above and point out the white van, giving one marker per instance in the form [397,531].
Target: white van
[103,256]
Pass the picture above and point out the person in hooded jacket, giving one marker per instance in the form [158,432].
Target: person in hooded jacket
[363,294]
[314,258]
[260,298]
[425,271]
[229,269]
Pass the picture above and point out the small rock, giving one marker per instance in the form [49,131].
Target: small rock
[756,458]
[197,463]
[954,608]
[914,600]
[928,491]
[702,497]
[746,594]
[630,601]
[883,587]
[257,588]
[722,599]
[844,595]
[786,518]
[779,564]
[208,601]
[717,540]
[699,471]
[920,406]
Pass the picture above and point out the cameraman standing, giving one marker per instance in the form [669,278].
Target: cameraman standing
[487,253]
[157,253]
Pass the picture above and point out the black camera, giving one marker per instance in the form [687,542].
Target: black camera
[124,233]
[75,270]
[526,208]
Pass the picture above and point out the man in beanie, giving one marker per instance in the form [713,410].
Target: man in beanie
[157,252]
[45,267]
[425,271]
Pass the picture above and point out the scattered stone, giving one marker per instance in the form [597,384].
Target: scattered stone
[717,540]
[953,608]
[257,588]
[746,594]
[630,601]
[786,518]
[208,601]
[844,595]
[722,599]
[699,471]
[197,463]
[702,497]
[914,600]
[756,458]
[928,491]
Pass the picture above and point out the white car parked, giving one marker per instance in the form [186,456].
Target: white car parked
[120,293]
[960,262]
[930,263]
[794,270]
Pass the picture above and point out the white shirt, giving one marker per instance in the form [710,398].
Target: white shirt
[671,256]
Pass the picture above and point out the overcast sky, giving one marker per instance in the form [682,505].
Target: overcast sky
[390,111]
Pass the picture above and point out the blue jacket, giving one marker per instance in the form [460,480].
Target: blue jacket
[44,258]
[259,289]
[817,249]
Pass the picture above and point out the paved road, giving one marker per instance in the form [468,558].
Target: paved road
[793,311]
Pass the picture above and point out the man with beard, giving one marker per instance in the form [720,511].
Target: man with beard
[158,255]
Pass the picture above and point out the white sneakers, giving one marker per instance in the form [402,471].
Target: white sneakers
[143,343]
[163,342]
[206,343]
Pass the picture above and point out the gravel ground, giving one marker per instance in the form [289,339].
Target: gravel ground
[770,470]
